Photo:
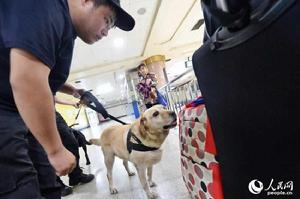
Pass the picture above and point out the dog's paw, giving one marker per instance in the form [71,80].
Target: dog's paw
[113,190]
[152,195]
[152,184]
[131,173]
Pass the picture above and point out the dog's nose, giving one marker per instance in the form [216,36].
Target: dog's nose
[173,114]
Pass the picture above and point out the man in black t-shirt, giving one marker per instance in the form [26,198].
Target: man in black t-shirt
[36,44]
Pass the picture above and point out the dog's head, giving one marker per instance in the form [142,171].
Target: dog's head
[157,119]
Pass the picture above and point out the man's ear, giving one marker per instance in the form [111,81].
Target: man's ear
[143,126]
[87,3]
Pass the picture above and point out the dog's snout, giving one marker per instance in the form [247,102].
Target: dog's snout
[173,114]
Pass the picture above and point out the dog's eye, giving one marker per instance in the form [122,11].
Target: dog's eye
[155,114]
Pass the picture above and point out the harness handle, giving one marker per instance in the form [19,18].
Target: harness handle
[92,102]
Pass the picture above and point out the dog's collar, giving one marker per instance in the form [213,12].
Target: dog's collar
[134,143]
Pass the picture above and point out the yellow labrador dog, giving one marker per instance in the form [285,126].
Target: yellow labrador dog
[138,143]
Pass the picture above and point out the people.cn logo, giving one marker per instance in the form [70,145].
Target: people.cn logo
[255,186]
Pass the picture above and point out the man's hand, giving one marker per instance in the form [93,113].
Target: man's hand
[71,90]
[78,92]
[62,161]
[76,104]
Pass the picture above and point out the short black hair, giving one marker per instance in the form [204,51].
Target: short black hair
[139,66]
[98,3]
[108,3]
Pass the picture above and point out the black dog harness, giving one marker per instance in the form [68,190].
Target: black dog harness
[134,143]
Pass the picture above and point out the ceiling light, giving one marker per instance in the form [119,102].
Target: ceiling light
[141,11]
[119,42]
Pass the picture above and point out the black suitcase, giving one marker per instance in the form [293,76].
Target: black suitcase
[252,90]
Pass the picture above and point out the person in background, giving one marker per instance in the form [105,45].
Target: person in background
[147,86]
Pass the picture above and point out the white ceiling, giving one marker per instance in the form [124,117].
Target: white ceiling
[165,29]
[104,52]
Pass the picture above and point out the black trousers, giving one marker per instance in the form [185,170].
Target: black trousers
[25,171]
[69,141]
[252,99]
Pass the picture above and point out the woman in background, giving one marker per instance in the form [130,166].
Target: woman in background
[147,86]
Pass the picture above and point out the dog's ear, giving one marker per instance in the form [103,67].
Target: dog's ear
[143,126]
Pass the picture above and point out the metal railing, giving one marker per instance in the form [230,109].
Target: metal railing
[178,95]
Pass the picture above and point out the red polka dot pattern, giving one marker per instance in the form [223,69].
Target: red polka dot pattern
[200,154]
[201,136]
[202,195]
[184,164]
[198,171]
[197,176]
[195,143]
[190,186]
[191,179]
[199,112]
[212,165]
[189,112]
[186,131]
[192,124]
[186,148]
[210,188]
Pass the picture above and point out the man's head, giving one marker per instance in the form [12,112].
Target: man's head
[93,19]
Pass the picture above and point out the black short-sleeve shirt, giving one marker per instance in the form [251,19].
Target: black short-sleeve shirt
[42,28]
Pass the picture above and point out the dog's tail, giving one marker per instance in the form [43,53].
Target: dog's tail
[95,142]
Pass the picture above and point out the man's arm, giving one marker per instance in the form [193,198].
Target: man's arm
[66,102]
[34,100]
[71,90]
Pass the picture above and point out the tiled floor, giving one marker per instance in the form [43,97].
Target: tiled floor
[166,174]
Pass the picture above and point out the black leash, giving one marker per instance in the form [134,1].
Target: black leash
[74,124]
[92,102]
[78,113]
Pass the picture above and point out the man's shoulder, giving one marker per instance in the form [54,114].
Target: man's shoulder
[44,25]
[43,16]
[45,9]
[27,5]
